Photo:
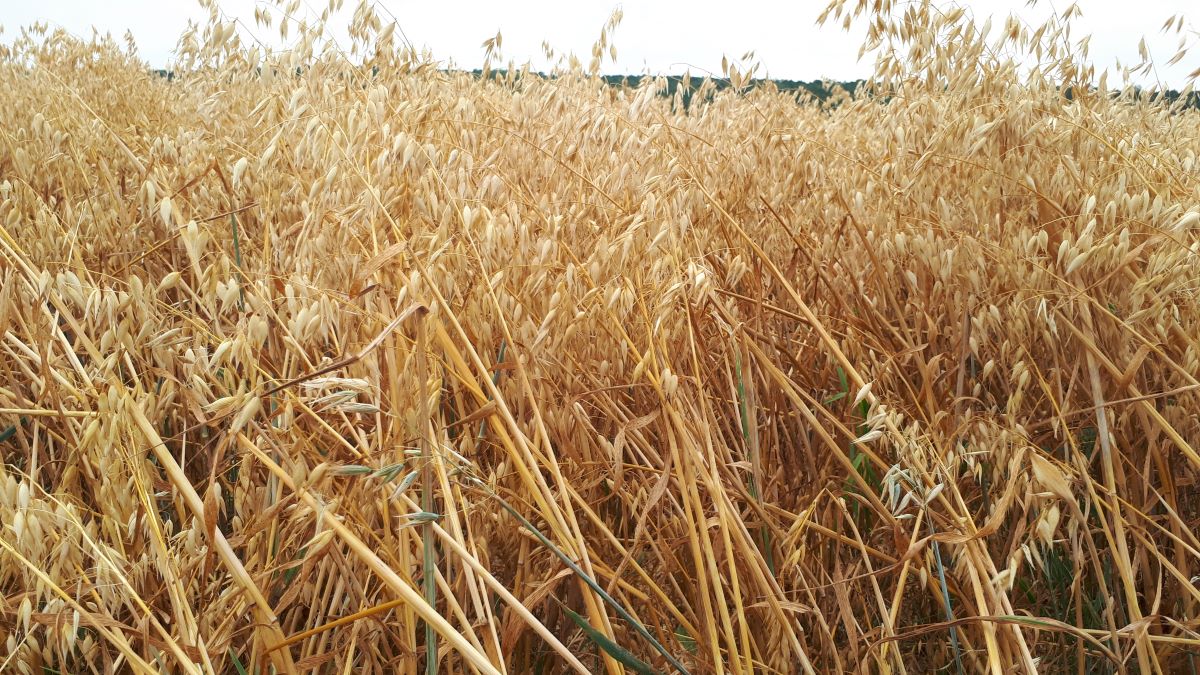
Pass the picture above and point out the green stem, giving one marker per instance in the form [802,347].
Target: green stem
[237,258]
[755,461]
[495,380]
[937,556]
[429,569]
[637,626]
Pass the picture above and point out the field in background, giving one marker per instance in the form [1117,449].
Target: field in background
[328,364]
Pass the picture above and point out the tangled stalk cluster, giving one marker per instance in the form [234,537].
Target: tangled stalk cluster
[331,360]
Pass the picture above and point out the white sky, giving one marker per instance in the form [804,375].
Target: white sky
[662,36]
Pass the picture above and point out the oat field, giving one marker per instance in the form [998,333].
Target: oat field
[334,360]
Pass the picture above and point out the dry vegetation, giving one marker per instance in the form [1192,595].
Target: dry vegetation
[905,383]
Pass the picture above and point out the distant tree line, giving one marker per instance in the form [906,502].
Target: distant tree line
[688,88]
[820,91]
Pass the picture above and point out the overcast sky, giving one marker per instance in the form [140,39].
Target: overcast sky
[661,36]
